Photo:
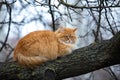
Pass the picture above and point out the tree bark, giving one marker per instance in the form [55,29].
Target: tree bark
[83,60]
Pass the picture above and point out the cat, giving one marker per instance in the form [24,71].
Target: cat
[40,46]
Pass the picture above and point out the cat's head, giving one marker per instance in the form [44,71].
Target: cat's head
[66,35]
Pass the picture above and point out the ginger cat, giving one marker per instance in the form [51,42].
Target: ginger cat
[40,46]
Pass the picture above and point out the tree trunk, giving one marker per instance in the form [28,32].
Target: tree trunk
[83,60]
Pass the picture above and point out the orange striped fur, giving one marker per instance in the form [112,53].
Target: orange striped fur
[40,46]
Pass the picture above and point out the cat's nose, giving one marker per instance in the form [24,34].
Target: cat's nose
[68,41]
[71,41]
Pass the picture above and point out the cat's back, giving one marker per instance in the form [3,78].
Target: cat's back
[41,33]
[38,35]
[37,39]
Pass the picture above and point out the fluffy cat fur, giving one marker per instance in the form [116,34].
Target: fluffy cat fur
[40,46]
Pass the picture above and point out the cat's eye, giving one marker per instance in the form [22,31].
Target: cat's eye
[69,36]
[72,36]
[66,36]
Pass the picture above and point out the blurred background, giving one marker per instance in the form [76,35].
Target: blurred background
[96,20]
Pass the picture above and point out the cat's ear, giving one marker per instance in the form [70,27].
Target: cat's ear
[59,30]
[75,29]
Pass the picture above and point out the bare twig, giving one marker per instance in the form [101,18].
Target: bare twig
[9,11]
[86,7]
[10,52]
[109,70]
[8,56]
[111,28]
[52,15]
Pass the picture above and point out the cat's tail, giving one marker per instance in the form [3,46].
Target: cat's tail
[29,61]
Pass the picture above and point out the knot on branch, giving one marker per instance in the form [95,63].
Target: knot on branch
[49,74]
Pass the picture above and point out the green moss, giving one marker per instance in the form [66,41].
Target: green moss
[33,73]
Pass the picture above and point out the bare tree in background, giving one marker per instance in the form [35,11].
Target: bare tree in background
[96,20]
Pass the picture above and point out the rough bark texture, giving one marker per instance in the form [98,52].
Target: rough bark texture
[81,61]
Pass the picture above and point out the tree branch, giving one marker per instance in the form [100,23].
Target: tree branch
[52,15]
[83,60]
[9,9]
[86,7]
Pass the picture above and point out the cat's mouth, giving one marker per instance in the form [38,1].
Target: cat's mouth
[67,42]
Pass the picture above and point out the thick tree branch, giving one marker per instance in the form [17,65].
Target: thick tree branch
[81,61]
